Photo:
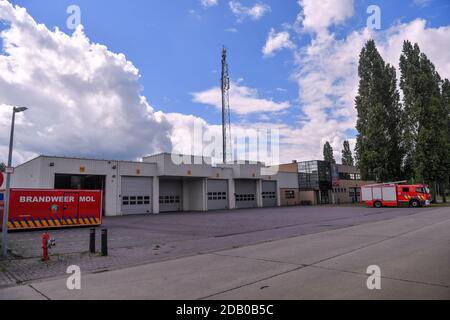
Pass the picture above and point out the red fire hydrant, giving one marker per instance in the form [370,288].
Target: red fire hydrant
[45,239]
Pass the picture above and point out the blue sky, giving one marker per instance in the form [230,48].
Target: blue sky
[176,47]
[176,44]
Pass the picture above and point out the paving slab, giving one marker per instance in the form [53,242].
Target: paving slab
[421,256]
[188,278]
[313,283]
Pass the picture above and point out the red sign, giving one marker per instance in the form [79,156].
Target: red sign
[34,208]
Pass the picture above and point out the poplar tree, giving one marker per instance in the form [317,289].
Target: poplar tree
[328,153]
[446,101]
[426,118]
[379,150]
[347,157]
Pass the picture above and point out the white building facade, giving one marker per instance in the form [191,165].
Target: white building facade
[160,183]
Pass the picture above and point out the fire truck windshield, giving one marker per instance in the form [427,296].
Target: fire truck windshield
[423,190]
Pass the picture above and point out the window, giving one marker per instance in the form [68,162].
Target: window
[422,190]
[136,200]
[406,189]
[344,176]
[245,197]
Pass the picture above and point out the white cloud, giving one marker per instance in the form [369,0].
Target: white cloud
[256,12]
[209,3]
[232,30]
[317,16]
[83,99]
[243,100]
[277,41]
[422,3]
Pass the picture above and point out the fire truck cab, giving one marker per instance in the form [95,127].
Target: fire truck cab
[395,194]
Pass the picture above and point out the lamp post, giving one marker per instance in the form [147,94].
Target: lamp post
[8,182]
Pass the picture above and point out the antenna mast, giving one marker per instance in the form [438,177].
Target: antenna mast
[226,113]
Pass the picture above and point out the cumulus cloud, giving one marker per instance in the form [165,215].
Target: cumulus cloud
[256,12]
[83,99]
[276,42]
[209,3]
[317,16]
[243,100]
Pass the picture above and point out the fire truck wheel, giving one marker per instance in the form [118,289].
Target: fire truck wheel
[415,204]
[377,204]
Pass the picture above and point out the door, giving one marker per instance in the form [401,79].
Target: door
[170,195]
[217,194]
[269,193]
[324,197]
[136,195]
[70,207]
[245,193]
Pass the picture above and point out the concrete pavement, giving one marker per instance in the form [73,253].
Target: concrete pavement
[143,239]
[413,253]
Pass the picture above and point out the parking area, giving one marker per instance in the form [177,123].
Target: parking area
[135,240]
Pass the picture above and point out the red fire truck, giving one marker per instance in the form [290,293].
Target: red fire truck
[42,209]
[395,194]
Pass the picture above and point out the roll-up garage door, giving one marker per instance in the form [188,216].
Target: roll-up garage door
[136,195]
[217,194]
[269,193]
[170,195]
[245,193]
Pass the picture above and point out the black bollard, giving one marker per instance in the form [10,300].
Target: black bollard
[104,242]
[92,241]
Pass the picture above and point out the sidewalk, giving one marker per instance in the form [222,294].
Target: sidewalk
[412,252]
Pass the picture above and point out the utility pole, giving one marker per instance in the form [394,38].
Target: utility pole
[226,113]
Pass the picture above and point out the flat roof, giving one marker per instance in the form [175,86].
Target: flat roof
[80,158]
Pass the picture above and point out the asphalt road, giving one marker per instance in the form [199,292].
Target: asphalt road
[411,250]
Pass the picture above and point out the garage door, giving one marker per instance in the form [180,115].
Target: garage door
[217,194]
[170,195]
[136,195]
[245,193]
[269,193]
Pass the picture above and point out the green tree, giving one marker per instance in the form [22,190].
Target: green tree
[328,153]
[347,157]
[426,118]
[379,151]
[446,101]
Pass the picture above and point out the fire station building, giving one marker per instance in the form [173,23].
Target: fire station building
[174,183]
[160,183]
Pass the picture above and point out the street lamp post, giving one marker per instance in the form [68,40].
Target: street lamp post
[8,183]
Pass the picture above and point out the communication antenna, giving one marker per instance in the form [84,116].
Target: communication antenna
[226,113]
